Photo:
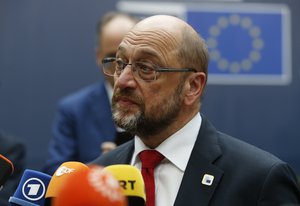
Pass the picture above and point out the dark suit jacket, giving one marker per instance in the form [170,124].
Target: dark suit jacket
[243,174]
[83,122]
[13,149]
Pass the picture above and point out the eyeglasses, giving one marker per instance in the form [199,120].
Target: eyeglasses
[146,71]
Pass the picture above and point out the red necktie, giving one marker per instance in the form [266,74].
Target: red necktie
[150,159]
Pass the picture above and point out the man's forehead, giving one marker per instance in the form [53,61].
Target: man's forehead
[148,43]
[154,37]
[148,51]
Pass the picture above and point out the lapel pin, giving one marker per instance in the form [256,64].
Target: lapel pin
[207,179]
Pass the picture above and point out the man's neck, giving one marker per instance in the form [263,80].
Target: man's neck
[153,141]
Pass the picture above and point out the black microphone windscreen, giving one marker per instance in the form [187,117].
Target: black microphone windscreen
[6,169]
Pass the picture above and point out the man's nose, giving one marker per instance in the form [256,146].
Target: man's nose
[126,78]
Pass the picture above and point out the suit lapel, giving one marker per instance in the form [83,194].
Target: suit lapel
[194,190]
[124,157]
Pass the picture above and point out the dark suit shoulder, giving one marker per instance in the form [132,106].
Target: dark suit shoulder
[248,175]
[264,174]
[215,145]
[82,96]
[120,155]
[241,151]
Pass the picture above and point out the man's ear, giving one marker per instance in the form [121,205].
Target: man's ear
[195,83]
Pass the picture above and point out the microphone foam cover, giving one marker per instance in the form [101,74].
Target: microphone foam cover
[131,182]
[31,189]
[91,187]
[61,174]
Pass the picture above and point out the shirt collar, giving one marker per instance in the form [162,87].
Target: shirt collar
[182,142]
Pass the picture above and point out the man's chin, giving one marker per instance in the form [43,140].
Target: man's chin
[125,119]
[126,112]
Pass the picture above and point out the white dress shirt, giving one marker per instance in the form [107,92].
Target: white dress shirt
[177,150]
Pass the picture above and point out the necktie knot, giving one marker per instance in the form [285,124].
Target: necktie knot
[150,158]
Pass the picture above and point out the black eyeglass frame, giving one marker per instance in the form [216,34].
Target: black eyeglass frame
[155,67]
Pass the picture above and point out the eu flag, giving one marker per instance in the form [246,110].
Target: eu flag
[247,44]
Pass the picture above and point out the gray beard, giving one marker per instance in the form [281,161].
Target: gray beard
[148,125]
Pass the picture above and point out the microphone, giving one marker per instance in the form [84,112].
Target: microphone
[92,187]
[59,176]
[131,182]
[6,169]
[31,189]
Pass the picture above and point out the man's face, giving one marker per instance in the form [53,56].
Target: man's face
[146,108]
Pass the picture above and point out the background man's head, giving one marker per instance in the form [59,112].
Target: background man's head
[110,30]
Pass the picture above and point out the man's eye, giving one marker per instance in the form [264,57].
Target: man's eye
[145,68]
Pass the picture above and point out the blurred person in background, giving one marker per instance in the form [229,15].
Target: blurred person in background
[83,127]
[13,149]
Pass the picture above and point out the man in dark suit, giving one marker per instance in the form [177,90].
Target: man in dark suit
[83,121]
[160,73]
[14,150]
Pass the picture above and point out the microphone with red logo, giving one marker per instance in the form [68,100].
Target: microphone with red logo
[131,182]
[92,187]
[31,189]
[59,177]
[6,169]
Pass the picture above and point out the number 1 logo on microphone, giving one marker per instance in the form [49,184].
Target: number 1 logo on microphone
[33,189]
